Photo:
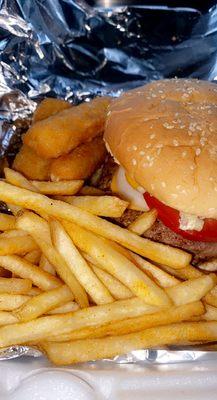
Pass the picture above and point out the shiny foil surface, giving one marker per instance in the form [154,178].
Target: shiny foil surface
[67,49]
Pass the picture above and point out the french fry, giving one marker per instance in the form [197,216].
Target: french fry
[210,265]
[61,133]
[90,191]
[161,277]
[192,290]
[71,306]
[42,327]
[26,270]
[15,285]
[80,163]
[15,210]
[13,233]
[106,206]
[34,291]
[115,287]
[43,303]
[210,314]
[16,245]
[93,349]
[33,256]
[157,252]
[211,297]
[33,224]
[7,318]
[7,222]
[58,188]
[31,165]
[188,272]
[143,222]
[63,271]
[17,179]
[9,302]
[48,107]
[130,325]
[46,265]
[78,266]
[117,265]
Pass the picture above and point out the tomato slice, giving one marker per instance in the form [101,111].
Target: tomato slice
[170,217]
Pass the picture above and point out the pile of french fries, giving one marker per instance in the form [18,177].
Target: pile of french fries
[76,285]
[82,288]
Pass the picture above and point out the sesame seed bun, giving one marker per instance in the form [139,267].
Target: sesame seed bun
[165,136]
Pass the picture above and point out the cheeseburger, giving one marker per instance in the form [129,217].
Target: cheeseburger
[163,137]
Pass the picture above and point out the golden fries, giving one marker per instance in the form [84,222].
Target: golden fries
[48,107]
[188,272]
[43,327]
[31,165]
[93,349]
[211,313]
[7,222]
[7,318]
[115,287]
[15,285]
[130,325]
[34,225]
[26,270]
[58,188]
[79,267]
[9,302]
[43,303]
[117,265]
[17,179]
[158,252]
[106,206]
[192,290]
[46,265]
[16,245]
[33,256]
[66,308]
[80,163]
[162,278]
[60,133]
[211,297]
[143,222]
[90,191]
[210,265]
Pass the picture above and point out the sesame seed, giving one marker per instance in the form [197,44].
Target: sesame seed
[175,142]
[163,184]
[168,126]
[148,145]
[197,152]
[134,162]
[134,147]
[184,154]
[152,136]
[192,167]
[142,153]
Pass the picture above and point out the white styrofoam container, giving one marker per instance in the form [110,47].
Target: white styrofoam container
[34,378]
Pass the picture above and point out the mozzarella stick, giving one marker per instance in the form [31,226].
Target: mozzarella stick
[31,165]
[80,163]
[49,107]
[61,133]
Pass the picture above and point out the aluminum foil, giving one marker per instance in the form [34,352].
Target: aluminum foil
[64,48]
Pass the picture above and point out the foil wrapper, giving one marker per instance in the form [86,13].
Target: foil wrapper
[66,49]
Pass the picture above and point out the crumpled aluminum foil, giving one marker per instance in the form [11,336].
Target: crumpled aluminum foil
[64,48]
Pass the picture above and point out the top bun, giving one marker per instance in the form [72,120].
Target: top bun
[165,136]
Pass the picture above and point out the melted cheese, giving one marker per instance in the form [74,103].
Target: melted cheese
[128,191]
[189,222]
